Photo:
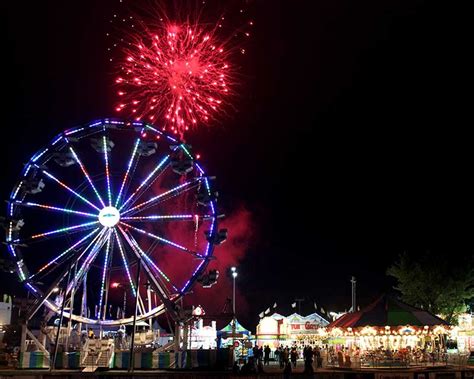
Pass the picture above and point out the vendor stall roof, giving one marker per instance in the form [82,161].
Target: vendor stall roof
[238,328]
[388,311]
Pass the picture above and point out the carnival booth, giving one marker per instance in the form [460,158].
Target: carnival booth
[463,334]
[203,336]
[294,330]
[272,331]
[305,330]
[391,327]
[242,340]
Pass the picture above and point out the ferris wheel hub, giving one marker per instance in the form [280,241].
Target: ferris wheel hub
[109,217]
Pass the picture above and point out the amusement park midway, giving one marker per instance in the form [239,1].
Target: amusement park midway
[240,188]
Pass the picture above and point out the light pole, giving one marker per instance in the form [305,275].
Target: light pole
[234,275]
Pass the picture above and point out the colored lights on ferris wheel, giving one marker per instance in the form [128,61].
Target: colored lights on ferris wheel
[95,203]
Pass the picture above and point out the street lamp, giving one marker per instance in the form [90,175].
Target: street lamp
[234,275]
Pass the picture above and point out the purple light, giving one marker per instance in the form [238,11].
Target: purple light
[31,287]
[130,162]
[63,230]
[27,170]
[96,245]
[104,270]
[65,252]
[161,239]
[11,250]
[73,131]
[107,173]
[16,190]
[157,197]
[52,208]
[142,184]
[59,138]
[159,217]
[86,174]
[199,168]
[133,243]
[125,263]
[69,189]
[38,156]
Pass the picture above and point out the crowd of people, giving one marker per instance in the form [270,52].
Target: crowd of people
[315,357]
[287,357]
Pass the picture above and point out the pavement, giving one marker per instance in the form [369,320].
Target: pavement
[271,370]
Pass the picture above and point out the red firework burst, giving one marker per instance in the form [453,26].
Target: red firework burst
[178,75]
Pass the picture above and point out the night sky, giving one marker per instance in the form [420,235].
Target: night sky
[349,143]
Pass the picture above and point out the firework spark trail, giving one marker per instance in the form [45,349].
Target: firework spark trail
[178,62]
[179,75]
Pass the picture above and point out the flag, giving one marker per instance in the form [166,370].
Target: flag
[358,308]
[322,310]
[267,311]
[275,305]
[293,305]
[260,315]
[315,306]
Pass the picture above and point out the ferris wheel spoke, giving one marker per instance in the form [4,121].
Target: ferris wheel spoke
[86,174]
[156,172]
[65,186]
[125,263]
[127,173]
[164,240]
[167,218]
[162,291]
[107,171]
[163,196]
[136,247]
[58,232]
[69,249]
[104,272]
[53,208]
[163,199]
[85,265]
[44,296]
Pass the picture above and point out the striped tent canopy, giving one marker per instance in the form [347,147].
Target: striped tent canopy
[388,311]
[239,329]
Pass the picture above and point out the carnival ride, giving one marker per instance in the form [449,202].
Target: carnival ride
[106,205]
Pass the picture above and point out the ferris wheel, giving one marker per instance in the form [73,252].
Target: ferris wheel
[110,213]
